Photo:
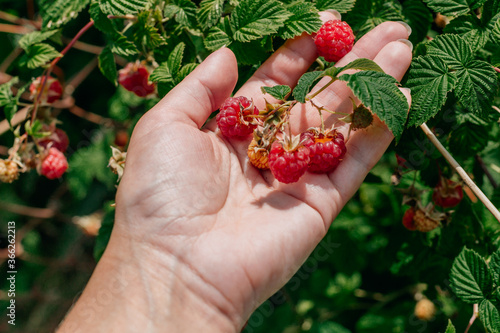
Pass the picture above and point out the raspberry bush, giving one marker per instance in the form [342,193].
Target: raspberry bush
[415,250]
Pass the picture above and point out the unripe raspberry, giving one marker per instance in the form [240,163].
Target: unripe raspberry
[58,139]
[121,138]
[54,165]
[234,117]
[52,90]
[258,156]
[424,222]
[134,77]
[9,171]
[334,40]
[425,310]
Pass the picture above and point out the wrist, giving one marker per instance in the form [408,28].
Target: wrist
[136,288]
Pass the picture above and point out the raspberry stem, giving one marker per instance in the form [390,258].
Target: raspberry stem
[309,97]
[477,191]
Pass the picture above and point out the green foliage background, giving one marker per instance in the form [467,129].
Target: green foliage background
[368,273]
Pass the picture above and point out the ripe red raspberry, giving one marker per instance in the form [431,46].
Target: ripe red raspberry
[233,118]
[134,77]
[447,193]
[334,40]
[52,90]
[54,165]
[326,149]
[58,139]
[288,162]
[408,219]
[121,138]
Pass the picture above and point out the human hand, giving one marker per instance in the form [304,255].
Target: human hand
[209,236]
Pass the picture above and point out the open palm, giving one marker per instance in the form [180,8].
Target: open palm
[229,232]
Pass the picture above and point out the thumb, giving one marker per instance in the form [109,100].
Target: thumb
[201,92]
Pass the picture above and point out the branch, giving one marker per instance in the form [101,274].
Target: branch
[477,191]
[41,213]
[15,29]
[475,313]
[486,171]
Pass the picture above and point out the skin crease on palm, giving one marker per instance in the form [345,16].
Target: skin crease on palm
[203,230]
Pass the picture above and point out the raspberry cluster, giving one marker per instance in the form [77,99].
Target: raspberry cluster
[288,157]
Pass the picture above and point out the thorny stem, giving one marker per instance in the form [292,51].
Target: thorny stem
[475,313]
[477,191]
[309,97]
[52,65]
[496,69]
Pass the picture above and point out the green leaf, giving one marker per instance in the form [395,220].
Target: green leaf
[342,6]
[467,138]
[219,36]
[380,93]
[449,7]
[280,92]
[145,33]
[107,65]
[162,74]
[39,54]
[495,33]
[495,265]
[450,328]
[124,7]
[304,85]
[250,53]
[7,99]
[476,86]
[35,37]
[305,18]
[185,71]
[210,12]
[101,20]
[419,18]
[253,19]
[362,64]
[175,58]
[489,316]
[490,12]
[366,15]
[184,12]
[122,46]
[452,49]
[430,82]
[61,11]
[470,29]
[470,277]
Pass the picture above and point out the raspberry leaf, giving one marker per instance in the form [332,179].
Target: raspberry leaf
[122,46]
[253,19]
[57,13]
[304,85]
[279,92]
[450,328]
[38,55]
[495,33]
[471,279]
[144,32]
[495,266]
[452,49]
[490,316]
[174,61]
[380,93]
[107,65]
[183,11]
[7,99]
[305,18]
[342,6]
[453,7]
[122,7]
[101,20]
[470,29]
[219,35]
[419,18]
[209,13]
[430,81]
[35,37]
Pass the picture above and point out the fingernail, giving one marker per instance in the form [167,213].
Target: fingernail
[407,42]
[408,28]
[407,90]
[337,15]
